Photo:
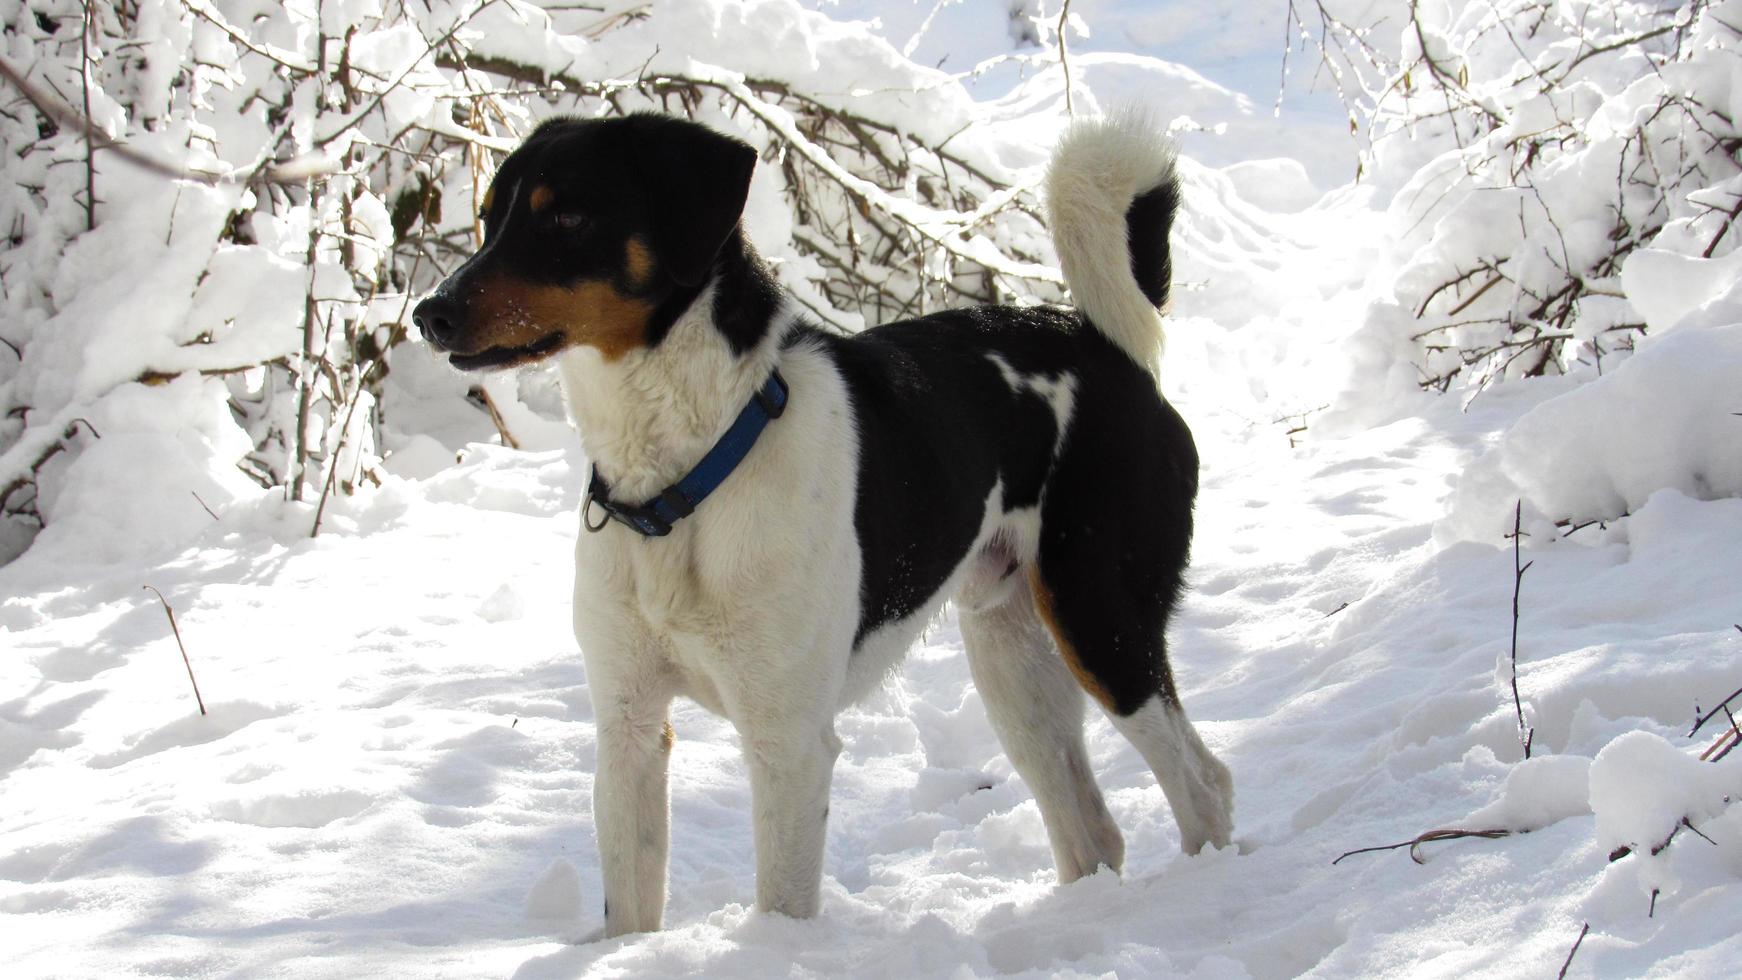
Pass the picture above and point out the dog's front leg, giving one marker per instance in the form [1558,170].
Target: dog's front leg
[631,702]
[790,766]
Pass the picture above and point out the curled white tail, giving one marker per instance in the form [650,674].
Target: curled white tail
[1111,196]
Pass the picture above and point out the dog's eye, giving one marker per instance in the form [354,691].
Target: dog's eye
[569,220]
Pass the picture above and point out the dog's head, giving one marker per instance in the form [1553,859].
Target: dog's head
[594,230]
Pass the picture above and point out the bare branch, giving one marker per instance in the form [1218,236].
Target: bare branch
[1064,56]
[179,645]
[1525,733]
[1571,952]
[1414,844]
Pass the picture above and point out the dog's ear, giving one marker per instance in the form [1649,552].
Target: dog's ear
[696,182]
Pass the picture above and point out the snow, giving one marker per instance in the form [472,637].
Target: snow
[1662,420]
[167,446]
[1642,787]
[1539,792]
[1669,288]
[556,895]
[395,773]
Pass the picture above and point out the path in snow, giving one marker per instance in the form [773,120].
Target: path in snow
[396,772]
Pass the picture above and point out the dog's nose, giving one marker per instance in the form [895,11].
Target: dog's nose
[438,319]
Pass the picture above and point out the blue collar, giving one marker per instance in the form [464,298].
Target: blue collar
[676,502]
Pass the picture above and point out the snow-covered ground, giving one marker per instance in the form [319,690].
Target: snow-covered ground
[394,777]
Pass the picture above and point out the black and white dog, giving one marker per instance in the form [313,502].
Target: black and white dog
[1019,461]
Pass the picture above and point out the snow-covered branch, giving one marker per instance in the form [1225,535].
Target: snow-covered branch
[1531,149]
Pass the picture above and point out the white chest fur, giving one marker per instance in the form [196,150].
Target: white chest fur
[763,579]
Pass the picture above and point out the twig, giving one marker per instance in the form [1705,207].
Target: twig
[1571,952]
[1430,837]
[483,395]
[1473,297]
[1727,740]
[203,506]
[1625,43]
[184,650]
[1452,283]
[1064,58]
[1723,746]
[305,380]
[1663,845]
[1700,720]
[1723,229]
[1525,732]
[1572,527]
[1697,832]
[85,23]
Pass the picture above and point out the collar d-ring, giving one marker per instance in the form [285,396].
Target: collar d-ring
[586,516]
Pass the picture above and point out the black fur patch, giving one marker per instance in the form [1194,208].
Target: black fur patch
[1116,532]
[1147,224]
[701,180]
[745,295]
[939,424]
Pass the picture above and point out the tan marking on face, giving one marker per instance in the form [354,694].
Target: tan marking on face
[637,262]
[541,197]
[513,313]
[667,738]
[489,197]
[1043,604]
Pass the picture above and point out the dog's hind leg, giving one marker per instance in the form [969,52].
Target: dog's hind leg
[1037,712]
[1113,641]
[1198,786]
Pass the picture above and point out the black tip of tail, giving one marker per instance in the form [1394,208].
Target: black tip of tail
[1147,223]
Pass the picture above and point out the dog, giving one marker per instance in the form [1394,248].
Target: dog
[776,512]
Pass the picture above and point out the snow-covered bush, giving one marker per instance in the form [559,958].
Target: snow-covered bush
[332,157]
[1529,147]
[1663,420]
[278,264]
[1562,185]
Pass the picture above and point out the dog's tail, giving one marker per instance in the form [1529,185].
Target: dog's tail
[1111,196]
